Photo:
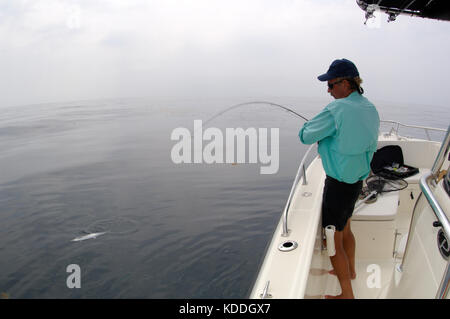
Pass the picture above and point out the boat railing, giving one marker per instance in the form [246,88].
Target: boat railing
[442,222]
[396,127]
[301,172]
[441,216]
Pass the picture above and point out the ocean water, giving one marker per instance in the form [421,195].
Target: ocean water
[171,231]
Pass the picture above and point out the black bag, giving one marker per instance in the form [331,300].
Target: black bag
[388,162]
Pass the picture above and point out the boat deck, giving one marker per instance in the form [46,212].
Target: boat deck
[373,278]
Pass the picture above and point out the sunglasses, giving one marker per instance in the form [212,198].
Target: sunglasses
[331,85]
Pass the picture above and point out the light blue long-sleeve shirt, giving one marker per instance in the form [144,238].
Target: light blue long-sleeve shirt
[347,132]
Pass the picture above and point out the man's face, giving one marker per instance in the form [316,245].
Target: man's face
[338,88]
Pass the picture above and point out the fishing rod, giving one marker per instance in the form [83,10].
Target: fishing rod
[256,102]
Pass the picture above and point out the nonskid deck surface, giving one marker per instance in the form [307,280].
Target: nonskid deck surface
[373,278]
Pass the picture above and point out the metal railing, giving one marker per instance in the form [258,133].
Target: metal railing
[443,221]
[301,172]
[396,126]
[265,294]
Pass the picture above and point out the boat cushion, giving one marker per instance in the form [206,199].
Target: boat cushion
[384,208]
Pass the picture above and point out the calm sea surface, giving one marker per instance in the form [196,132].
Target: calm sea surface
[172,231]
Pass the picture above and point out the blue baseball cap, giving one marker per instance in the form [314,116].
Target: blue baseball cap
[338,69]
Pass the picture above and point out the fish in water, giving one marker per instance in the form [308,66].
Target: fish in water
[88,236]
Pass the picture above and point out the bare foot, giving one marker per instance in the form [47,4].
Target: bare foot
[352,274]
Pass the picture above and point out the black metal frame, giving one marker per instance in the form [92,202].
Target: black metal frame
[432,9]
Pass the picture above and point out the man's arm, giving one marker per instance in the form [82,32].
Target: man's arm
[320,127]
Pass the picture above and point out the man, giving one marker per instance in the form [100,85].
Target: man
[347,133]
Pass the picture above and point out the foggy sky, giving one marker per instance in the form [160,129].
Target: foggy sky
[62,50]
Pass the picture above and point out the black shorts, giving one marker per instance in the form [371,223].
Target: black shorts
[338,202]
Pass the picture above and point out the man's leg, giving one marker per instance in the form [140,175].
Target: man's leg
[349,247]
[341,267]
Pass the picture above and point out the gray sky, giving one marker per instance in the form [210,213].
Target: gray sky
[63,50]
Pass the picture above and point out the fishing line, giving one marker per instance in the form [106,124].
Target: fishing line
[255,102]
[377,185]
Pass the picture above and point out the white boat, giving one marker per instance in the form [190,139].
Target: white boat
[402,239]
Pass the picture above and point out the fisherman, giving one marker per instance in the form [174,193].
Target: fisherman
[347,133]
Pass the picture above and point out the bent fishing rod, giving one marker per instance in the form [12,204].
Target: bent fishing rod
[256,102]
